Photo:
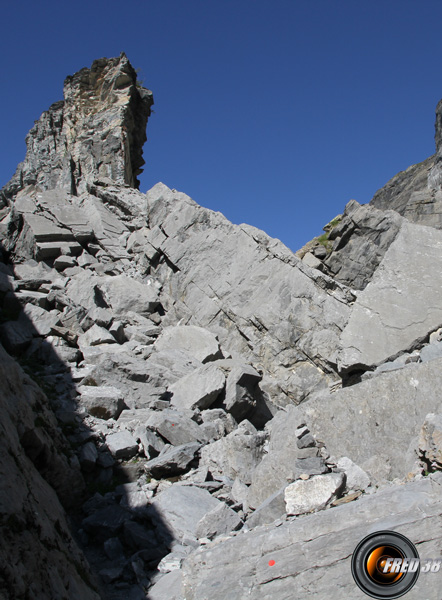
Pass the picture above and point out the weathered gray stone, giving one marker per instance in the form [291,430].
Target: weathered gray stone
[356,478]
[64,262]
[42,320]
[152,443]
[430,439]
[218,521]
[216,423]
[123,294]
[352,421]
[35,475]
[45,230]
[88,456]
[298,312]
[138,537]
[106,522]
[240,391]
[16,335]
[103,101]
[278,467]
[271,509]
[313,494]
[359,243]
[168,587]
[175,427]
[199,389]
[199,342]
[431,352]
[327,539]
[172,561]
[400,304]
[168,366]
[122,444]
[48,250]
[105,402]
[33,274]
[311,261]
[239,492]
[172,461]
[183,507]
[236,455]
[314,465]
[95,336]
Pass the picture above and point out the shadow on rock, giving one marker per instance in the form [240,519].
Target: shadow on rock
[63,488]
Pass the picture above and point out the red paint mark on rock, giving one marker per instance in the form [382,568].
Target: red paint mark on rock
[271,563]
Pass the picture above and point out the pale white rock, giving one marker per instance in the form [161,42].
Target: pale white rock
[314,494]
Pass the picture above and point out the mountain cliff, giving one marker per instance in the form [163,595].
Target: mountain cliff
[186,399]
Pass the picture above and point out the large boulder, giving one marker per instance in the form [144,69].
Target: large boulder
[304,496]
[376,423]
[400,307]
[199,342]
[199,389]
[236,455]
[284,561]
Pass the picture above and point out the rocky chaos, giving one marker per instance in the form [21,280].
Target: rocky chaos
[189,410]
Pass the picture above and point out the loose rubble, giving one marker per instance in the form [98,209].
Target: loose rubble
[187,407]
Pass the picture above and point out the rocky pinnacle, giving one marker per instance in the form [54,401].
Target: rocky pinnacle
[97,132]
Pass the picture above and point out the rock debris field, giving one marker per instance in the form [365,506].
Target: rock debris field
[190,410]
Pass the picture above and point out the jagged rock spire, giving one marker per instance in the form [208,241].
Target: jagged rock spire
[97,132]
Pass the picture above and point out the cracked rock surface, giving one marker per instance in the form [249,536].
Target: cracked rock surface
[184,399]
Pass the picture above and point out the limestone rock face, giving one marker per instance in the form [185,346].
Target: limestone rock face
[416,192]
[202,380]
[266,305]
[276,562]
[96,132]
[401,303]
[377,422]
[360,242]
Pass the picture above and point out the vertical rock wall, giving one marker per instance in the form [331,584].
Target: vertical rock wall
[97,132]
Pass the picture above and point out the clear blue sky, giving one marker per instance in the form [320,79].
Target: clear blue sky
[274,112]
